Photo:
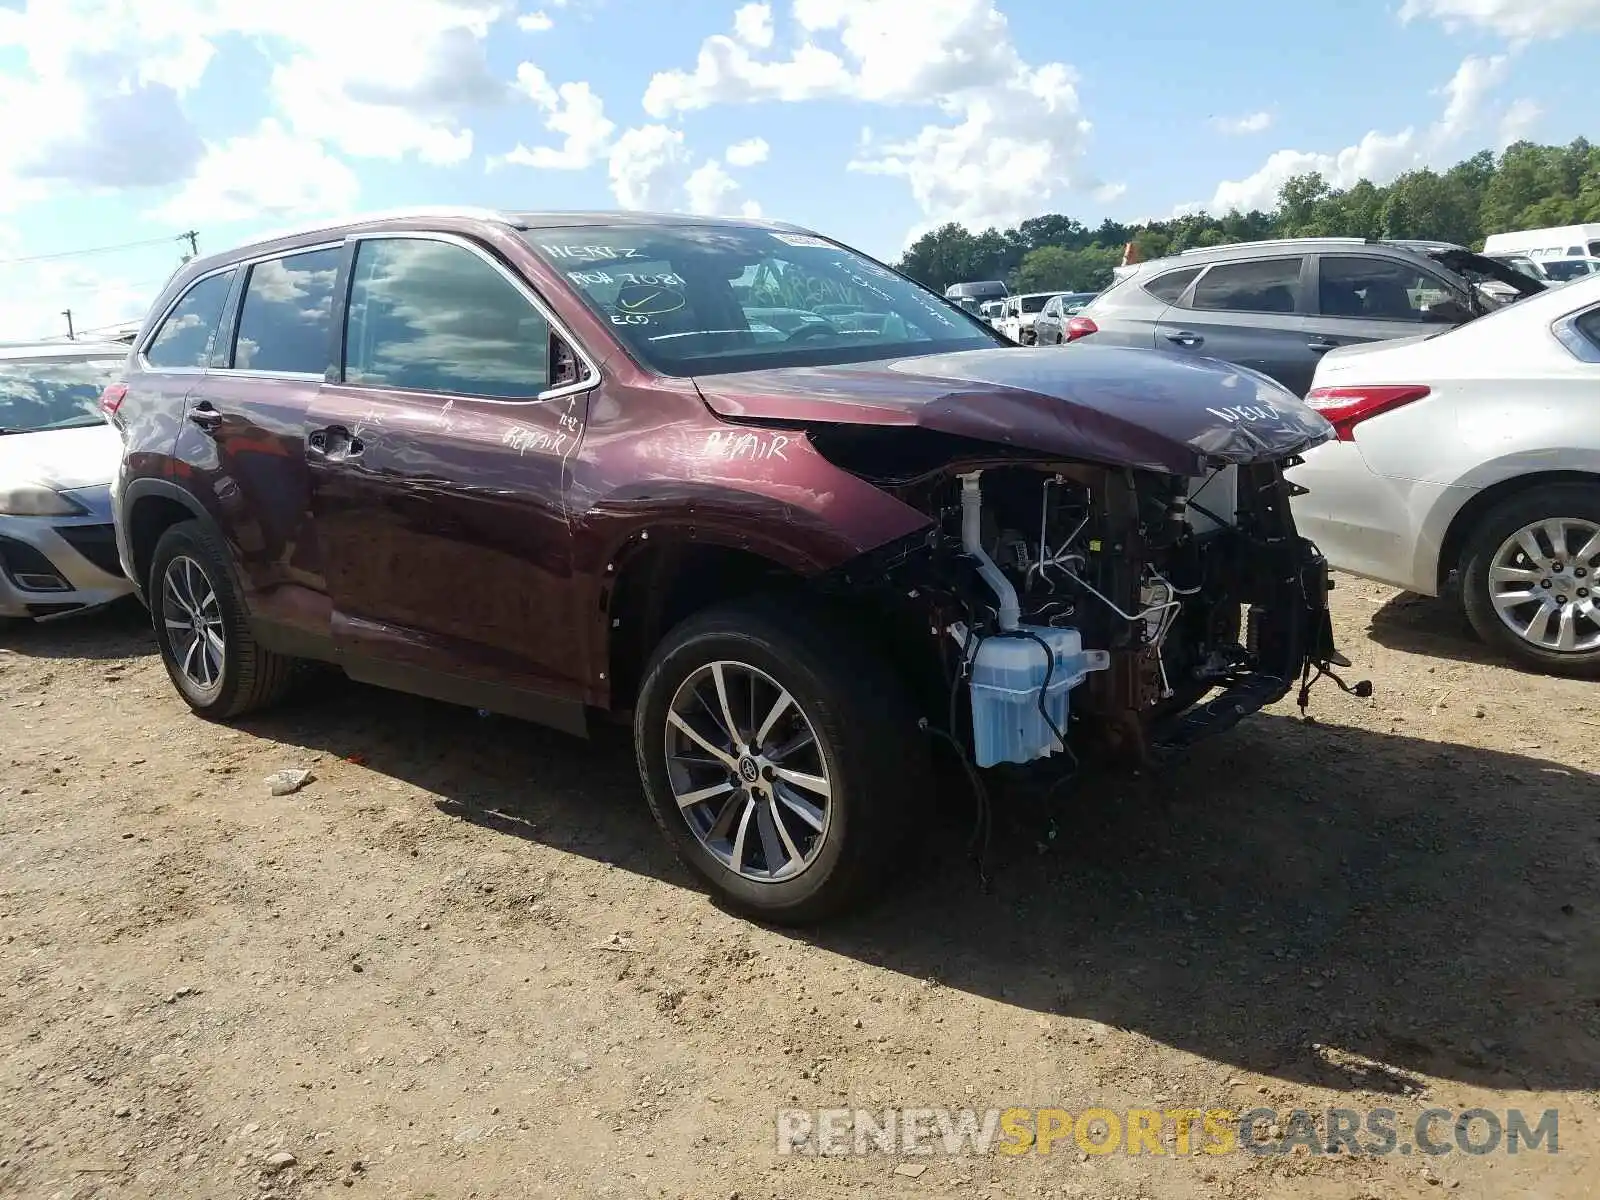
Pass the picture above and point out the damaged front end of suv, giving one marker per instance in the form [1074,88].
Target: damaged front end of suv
[1110,567]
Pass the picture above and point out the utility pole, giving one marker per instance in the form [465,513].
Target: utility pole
[71,336]
[194,244]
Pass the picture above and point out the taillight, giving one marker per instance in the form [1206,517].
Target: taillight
[1345,407]
[1079,327]
[111,399]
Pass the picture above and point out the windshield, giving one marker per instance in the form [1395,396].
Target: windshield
[38,395]
[1033,304]
[1563,270]
[702,300]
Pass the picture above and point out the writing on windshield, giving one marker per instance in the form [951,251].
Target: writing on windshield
[696,299]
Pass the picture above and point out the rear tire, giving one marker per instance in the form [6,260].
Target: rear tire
[201,627]
[1491,567]
[869,753]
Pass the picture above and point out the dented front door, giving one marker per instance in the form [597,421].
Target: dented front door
[443,531]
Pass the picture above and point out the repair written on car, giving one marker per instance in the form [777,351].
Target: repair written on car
[548,465]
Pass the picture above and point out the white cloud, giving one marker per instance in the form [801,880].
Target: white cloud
[1378,157]
[535,22]
[1518,122]
[1474,79]
[101,91]
[752,25]
[573,111]
[103,83]
[1014,130]
[1255,122]
[1521,20]
[32,302]
[708,186]
[233,182]
[748,152]
[651,167]
[648,166]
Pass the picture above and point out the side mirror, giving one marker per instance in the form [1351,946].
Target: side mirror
[1448,312]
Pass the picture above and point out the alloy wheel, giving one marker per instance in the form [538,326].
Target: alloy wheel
[748,772]
[193,619]
[1542,584]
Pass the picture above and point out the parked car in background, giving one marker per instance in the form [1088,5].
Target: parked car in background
[1016,322]
[975,292]
[1050,326]
[1559,241]
[1520,262]
[1473,453]
[539,464]
[992,311]
[1278,306]
[58,553]
[1565,270]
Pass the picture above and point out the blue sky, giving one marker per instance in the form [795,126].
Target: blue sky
[869,119]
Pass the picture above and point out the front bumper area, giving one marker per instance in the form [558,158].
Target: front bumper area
[1288,637]
[53,566]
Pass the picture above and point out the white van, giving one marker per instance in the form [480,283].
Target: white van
[1561,241]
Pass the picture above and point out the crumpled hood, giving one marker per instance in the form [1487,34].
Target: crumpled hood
[61,458]
[1109,404]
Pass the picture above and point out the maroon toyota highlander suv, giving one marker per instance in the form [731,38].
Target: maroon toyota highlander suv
[805,523]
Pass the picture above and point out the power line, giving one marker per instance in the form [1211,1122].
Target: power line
[60,254]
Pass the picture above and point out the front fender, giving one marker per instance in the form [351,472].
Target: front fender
[767,491]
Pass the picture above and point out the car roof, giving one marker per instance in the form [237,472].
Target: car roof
[1200,255]
[60,351]
[516,218]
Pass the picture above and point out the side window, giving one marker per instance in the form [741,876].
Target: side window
[1588,324]
[1169,286]
[1052,307]
[185,336]
[1382,289]
[284,320]
[1262,285]
[435,317]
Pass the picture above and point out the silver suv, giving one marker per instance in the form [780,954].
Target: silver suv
[1278,306]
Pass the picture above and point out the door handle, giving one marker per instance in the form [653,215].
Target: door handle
[1185,338]
[1322,346]
[335,443]
[205,416]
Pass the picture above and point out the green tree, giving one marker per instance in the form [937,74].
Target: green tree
[1526,186]
[1056,268]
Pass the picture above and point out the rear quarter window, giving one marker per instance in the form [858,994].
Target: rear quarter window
[183,341]
[1169,285]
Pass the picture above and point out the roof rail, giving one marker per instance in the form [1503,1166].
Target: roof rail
[1331,241]
[467,212]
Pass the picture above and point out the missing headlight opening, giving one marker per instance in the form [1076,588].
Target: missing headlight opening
[1085,610]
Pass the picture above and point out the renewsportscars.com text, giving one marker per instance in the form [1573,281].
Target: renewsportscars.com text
[1170,1131]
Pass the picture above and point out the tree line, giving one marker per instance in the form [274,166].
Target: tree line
[1526,187]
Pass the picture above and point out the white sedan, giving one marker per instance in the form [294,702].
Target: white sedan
[1473,455]
[58,552]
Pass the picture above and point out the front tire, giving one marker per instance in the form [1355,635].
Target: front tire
[200,624]
[1528,579]
[779,755]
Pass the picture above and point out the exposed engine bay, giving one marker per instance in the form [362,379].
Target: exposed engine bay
[1168,607]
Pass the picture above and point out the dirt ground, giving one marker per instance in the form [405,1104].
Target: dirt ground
[460,963]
